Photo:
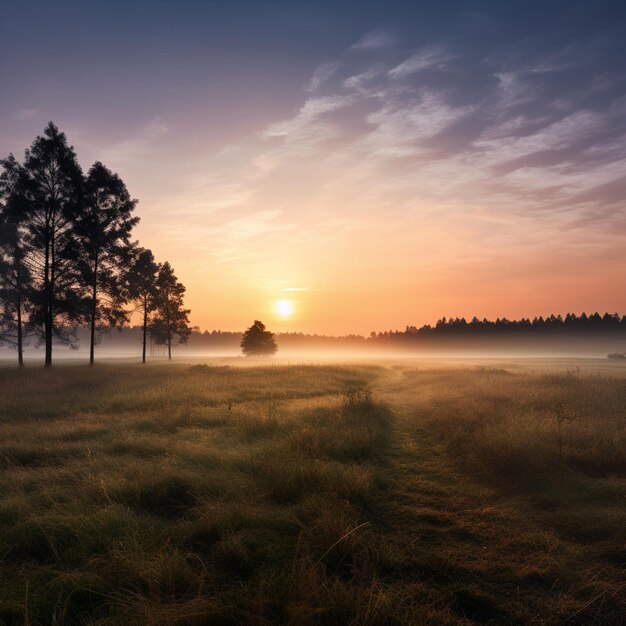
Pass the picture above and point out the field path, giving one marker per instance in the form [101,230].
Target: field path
[464,546]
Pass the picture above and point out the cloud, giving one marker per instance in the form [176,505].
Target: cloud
[236,237]
[156,127]
[251,226]
[513,150]
[358,82]
[512,90]
[306,125]
[397,137]
[133,147]
[399,128]
[430,57]
[375,41]
[321,75]
[26,114]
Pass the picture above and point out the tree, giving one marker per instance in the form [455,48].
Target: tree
[258,341]
[103,228]
[142,281]
[52,188]
[15,278]
[170,319]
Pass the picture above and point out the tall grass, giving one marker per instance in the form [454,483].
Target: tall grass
[532,426]
[180,495]
[310,495]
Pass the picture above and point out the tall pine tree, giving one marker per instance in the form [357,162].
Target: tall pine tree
[52,190]
[143,289]
[171,319]
[103,229]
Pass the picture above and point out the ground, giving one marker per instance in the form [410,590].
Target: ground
[390,492]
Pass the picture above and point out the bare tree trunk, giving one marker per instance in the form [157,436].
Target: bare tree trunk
[92,338]
[94,305]
[51,300]
[17,266]
[20,347]
[47,306]
[145,328]
[169,328]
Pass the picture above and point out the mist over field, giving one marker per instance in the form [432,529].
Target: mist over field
[126,344]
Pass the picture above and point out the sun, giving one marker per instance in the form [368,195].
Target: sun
[284,308]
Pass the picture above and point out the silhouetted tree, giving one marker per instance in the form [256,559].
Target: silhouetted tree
[258,341]
[170,319]
[15,278]
[142,282]
[103,227]
[52,188]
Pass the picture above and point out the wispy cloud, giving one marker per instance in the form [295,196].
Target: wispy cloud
[26,114]
[313,109]
[141,141]
[235,236]
[361,81]
[397,136]
[375,41]
[435,56]
[321,75]
[399,128]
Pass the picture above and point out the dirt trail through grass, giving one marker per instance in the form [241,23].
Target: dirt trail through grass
[471,552]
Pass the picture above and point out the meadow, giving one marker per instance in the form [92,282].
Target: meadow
[390,492]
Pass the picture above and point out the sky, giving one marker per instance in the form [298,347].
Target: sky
[341,167]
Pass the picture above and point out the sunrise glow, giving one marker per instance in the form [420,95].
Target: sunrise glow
[284,308]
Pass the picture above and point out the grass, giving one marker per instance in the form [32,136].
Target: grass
[335,494]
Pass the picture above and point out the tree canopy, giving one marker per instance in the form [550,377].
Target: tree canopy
[170,318]
[103,228]
[257,341]
[51,185]
[142,283]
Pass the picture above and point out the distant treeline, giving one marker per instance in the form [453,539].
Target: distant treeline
[553,325]
[68,259]
[588,334]
[608,330]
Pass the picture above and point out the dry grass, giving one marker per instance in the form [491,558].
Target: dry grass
[311,495]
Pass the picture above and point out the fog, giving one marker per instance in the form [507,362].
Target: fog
[124,346]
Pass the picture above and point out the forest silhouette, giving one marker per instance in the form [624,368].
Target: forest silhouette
[67,258]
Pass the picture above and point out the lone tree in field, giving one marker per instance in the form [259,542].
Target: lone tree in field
[142,284]
[103,228]
[258,341]
[170,319]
